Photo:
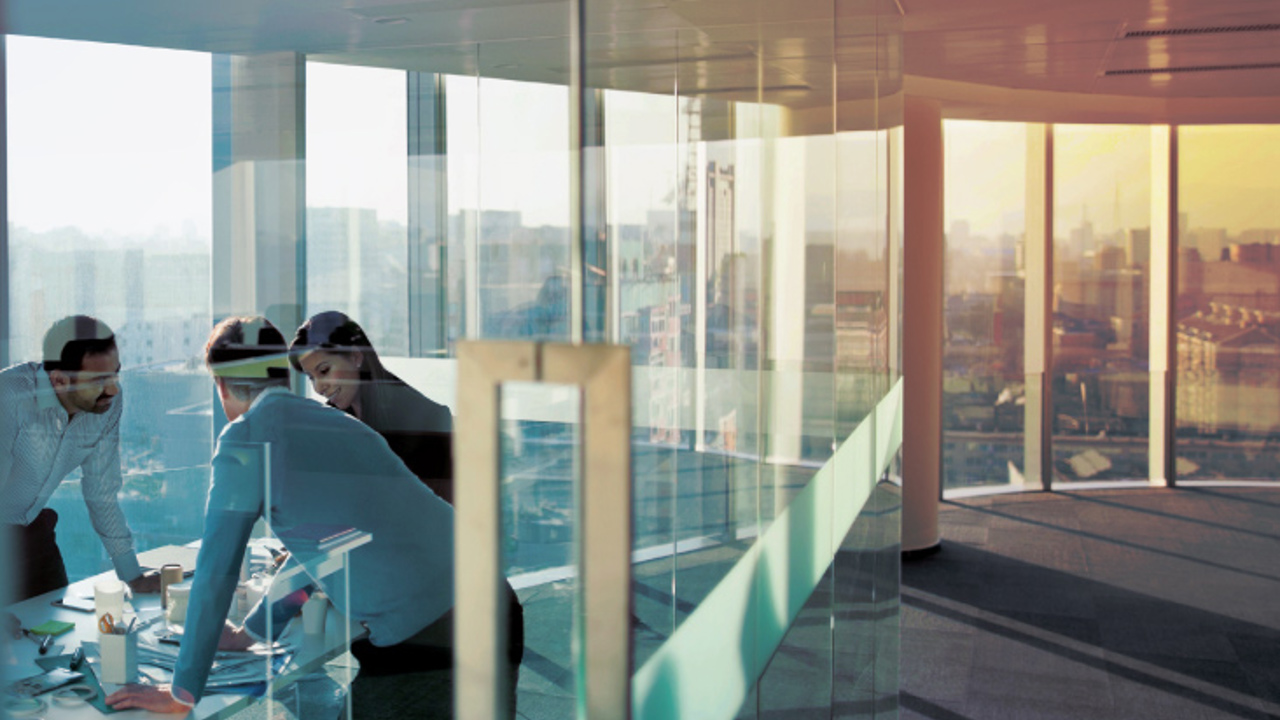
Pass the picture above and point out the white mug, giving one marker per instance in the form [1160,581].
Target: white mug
[176,612]
[108,599]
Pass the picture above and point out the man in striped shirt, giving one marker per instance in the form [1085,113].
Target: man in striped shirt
[55,416]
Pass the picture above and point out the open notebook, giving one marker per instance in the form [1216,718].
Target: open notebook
[156,558]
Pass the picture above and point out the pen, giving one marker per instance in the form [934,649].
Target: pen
[45,642]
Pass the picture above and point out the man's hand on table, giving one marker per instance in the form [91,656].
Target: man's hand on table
[234,639]
[156,698]
[147,582]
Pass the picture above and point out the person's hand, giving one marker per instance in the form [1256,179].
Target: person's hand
[155,698]
[234,639]
[147,582]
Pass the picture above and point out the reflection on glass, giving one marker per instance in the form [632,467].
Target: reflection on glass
[508,209]
[642,210]
[862,278]
[112,218]
[1228,303]
[357,199]
[1101,256]
[684,223]
[984,389]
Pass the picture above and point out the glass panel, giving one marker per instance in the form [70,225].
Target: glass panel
[642,173]
[984,388]
[1101,253]
[111,218]
[523,210]
[357,200]
[1228,306]
[803,357]
[515,223]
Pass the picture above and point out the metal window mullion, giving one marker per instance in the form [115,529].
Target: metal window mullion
[597,249]
[577,186]
[5,287]
[1163,283]
[428,214]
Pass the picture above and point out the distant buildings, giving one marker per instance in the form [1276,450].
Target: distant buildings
[1229,371]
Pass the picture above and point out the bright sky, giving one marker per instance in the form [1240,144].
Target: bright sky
[1230,176]
[985,175]
[1102,173]
[111,157]
[117,141]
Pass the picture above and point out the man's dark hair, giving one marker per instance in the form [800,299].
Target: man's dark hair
[70,339]
[249,354]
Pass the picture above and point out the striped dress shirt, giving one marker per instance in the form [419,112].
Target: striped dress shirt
[39,446]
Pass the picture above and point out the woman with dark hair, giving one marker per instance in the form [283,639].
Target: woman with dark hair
[334,352]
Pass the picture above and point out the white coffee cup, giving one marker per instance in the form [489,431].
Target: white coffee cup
[108,598]
[179,593]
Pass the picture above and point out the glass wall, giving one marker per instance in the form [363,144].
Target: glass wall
[1101,255]
[984,387]
[690,198]
[111,218]
[1228,303]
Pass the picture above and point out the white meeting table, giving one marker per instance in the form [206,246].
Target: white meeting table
[310,652]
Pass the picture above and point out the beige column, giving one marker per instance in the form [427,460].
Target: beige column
[922,325]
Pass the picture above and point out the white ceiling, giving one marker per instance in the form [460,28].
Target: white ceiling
[969,53]
[1087,51]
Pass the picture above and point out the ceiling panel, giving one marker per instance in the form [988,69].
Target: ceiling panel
[718,46]
[1068,46]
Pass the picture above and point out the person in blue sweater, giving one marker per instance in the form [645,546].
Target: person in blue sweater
[326,467]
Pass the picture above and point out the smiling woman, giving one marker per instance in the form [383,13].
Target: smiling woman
[336,355]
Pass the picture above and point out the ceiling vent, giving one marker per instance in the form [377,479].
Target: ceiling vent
[1194,68]
[1214,30]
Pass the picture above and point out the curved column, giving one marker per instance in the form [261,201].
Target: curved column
[922,325]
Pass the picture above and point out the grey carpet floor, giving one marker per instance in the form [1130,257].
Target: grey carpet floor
[1150,603]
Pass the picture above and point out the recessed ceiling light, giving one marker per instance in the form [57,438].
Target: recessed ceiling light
[391,20]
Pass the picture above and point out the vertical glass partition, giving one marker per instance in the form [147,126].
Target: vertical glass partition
[1101,256]
[1228,303]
